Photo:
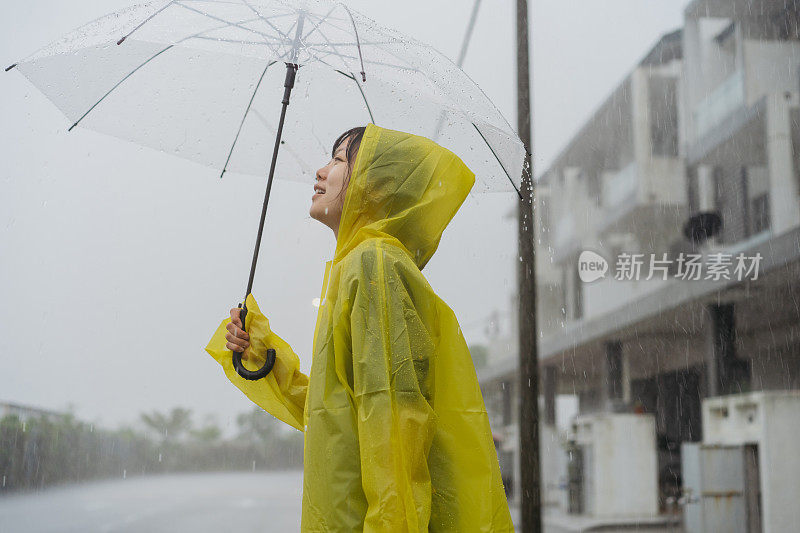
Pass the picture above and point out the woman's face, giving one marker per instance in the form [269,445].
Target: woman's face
[329,190]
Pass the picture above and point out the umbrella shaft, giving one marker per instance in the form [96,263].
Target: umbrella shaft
[291,71]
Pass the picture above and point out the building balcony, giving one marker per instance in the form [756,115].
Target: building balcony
[646,200]
[728,97]
[620,188]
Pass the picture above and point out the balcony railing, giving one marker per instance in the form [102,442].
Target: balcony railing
[725,99]
[620,187]
[564,234]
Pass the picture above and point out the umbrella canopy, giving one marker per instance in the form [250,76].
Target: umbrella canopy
[202,79]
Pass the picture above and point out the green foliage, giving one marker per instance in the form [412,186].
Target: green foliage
[48,450]
[37,452]
[169,427]
[480,355]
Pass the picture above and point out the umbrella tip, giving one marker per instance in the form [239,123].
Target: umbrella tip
[10,67]
[121,40]
[70,128]
[363,76]
[222,174]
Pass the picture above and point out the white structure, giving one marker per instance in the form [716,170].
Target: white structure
[769,422]
[740,100]
[720,488]
[707,125]
[619,465]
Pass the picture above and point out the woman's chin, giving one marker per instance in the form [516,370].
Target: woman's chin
[316,213]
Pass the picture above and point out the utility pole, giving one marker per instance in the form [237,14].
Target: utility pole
[530,472]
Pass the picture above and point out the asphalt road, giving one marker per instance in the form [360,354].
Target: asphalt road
[196,503]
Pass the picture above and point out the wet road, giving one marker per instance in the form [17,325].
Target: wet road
[197,503]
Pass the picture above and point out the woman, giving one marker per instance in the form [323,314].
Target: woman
[396,432]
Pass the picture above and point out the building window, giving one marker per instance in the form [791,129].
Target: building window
[594,185]
[744,195]
[760,213]
[506,388]
[663,105]
[718,181]
[691,190]
[794,116]
[506,460]
[577,294]
[544,219]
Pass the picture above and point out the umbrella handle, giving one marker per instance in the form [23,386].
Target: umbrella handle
[252,375]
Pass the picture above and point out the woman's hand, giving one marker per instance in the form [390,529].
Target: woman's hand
[238,339]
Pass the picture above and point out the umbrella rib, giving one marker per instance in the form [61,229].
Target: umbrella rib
[233,41]
[331,24]
[363,96]
[136,69]
[467,76]
[352,43]
[338,54]
[358,42]
[335,50]
[263,35]
[297,40]
[241,125]
[238,3]
[229,23]
[213,2]
[321,20]
[368,61]
[408,67]
[303,166]
[358,45]
[235,3]
[321,59]
[352,77]
[435,85]
[145,21]
[498,160]
[287,39]
[266,42]
[271,25]
[118,84]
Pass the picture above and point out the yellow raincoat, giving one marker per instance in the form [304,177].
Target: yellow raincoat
[396,433]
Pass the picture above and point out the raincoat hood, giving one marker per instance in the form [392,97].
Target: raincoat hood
[404,188]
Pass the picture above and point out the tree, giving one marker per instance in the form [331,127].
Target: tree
[480,355]
[170,427]
[210,433]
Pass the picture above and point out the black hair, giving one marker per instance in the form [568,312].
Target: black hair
[354,135]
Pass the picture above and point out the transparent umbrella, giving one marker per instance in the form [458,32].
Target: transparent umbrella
[202,79]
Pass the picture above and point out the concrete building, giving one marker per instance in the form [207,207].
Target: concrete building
[694,155]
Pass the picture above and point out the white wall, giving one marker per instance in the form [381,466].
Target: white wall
[770,67]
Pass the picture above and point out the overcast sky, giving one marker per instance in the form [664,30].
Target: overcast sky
[118,262]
